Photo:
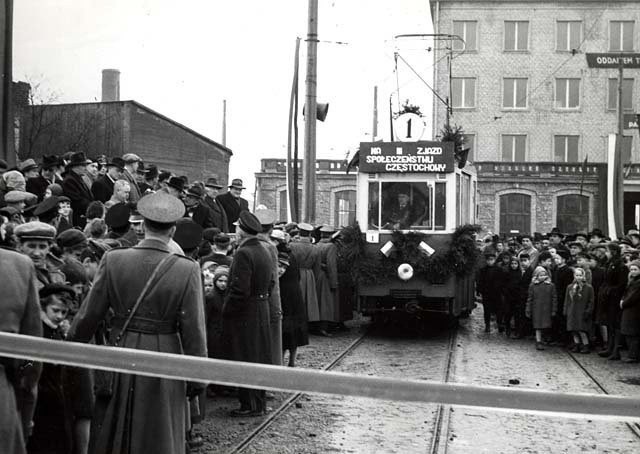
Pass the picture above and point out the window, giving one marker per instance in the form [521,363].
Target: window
[514,95]
[345,208]
[467,30]
[627,143]
[471,145]
[621,36]
[572,213]
[567,93]
[568,35]
[515,213]
[516,35]
[407,205]
[463,92]
[284,204]
[514,147]
[565,148]
[627,94]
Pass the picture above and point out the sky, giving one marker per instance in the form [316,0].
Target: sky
[184,58]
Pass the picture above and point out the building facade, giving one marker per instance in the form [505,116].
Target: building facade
[538,120]
[335,190]
[114,129]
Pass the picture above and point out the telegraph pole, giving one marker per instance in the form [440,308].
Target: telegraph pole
[224,122]
[7,151]
[309,168]
[619,167]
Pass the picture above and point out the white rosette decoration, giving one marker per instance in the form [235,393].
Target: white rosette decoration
[405,271]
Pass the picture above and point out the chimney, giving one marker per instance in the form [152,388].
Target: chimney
[110,85]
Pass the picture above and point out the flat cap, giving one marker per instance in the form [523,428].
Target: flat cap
[56,289]
[118,215]
[71,238]
[161,207]
[210,233]
[27,165]
[221,239]
[249,223]
[35,230]
[306,227]
[266,216]
[8,211]
[188,234]
[19,196]
[131,157]
[278,235]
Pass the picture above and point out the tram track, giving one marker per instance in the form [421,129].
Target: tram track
[634,427]
[291,400]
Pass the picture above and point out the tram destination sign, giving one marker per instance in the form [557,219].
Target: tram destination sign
[613,60]
[406,157]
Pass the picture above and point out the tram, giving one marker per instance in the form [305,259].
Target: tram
[416,208]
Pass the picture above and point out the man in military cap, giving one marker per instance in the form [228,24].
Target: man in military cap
[20,314]
[131,163]
[308,260]
[76,189]
[232,203]
[245,313]
[102,189]
[267,218]
[169,319]
[211,187]
[35,240]
[327,279]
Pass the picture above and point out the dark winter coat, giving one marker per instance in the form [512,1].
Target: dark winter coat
[76,189]
[525,282]
[102,188]
[20,314]
[213,318]
[327,281]
[38,186]
[169,320]
[490,283]
[542,304]
[232,207]
[511,291]
[219,215]
[563,277]
[245,314]
[294,311]
[202,215]
[630,323]
[611,290]
[578,307]
[275,306]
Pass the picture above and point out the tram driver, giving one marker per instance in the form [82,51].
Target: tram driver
[400,213]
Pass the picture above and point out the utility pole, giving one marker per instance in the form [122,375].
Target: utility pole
[374,130]
[7,146]
[618,161]
[309,170]
[224,122]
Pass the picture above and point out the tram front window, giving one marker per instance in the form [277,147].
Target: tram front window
[404,206]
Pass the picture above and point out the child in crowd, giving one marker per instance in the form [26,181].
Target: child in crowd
[489,285]
[541,303]
[512,295]
[630,305]
[578,310]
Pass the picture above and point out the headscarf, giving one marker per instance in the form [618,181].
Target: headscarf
[575,289]
[538,279]
[14,180]
[220,271]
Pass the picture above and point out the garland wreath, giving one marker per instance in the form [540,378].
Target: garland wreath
[460,259]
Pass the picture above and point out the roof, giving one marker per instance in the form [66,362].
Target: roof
[152,112]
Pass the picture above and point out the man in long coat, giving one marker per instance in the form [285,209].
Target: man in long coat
[147,414]
[232,203]
[102,188]
[131,163]
[211,188]
[20,314]
[245,313]
[308,259]
[38,185]
[327,279]
[76,189]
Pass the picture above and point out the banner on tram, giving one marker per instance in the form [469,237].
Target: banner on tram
[406,157]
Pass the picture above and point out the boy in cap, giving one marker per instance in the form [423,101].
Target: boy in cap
[170,319]
[489,285]
[219,251]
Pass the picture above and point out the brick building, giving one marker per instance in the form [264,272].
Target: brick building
[335,190]
[532,109]
[114,129]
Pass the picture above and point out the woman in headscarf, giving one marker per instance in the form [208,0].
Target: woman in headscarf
[542,303]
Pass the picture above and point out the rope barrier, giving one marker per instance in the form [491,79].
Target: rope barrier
[262,376]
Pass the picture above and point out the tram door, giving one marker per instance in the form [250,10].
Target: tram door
[631,210]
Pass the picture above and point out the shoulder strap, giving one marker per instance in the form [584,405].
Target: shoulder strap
[160,269]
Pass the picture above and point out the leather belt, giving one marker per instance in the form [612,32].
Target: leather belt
[146,325]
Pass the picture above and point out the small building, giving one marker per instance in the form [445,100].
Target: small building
[115,128]
[335,190]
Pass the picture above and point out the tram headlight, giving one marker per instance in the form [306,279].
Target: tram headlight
[405,271]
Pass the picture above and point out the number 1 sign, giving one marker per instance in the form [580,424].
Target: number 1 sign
[409,127]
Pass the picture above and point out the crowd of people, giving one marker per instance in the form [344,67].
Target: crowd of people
[119,253]
[575,291]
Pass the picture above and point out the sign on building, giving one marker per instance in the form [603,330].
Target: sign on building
[613,60]
[406,157]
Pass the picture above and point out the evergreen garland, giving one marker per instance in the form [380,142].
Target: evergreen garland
[460,258]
